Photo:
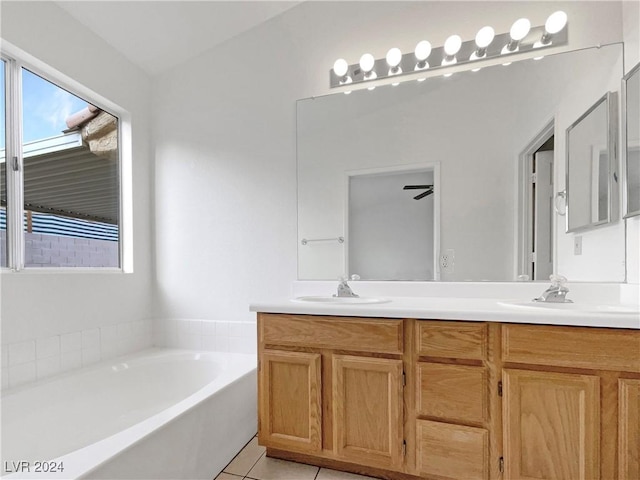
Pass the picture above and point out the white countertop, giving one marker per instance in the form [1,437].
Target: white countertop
[511,310]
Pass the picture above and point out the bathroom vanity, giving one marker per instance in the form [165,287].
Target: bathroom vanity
[435,397]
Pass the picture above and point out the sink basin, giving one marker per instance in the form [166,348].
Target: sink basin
[340,300]
[574,307]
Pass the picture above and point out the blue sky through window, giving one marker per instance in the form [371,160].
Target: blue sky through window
[45,107]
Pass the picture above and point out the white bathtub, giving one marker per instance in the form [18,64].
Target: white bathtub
[156,414]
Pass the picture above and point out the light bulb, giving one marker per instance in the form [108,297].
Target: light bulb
[340,67]
[423,50]
[520,29]
[367,62]
[394,57]
[484,37]
[555,22]
[452,45]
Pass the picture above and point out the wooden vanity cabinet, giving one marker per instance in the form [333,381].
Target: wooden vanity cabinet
[571,402]
[332,387]
[407,399]
[453,414]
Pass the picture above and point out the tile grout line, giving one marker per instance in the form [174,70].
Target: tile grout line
[224,470]
[255,463]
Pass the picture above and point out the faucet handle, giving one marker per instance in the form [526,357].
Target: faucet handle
[558,280]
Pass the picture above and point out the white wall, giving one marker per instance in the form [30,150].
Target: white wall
[49,314]
[225,136]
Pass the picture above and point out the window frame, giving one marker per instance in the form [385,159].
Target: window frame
[15,60]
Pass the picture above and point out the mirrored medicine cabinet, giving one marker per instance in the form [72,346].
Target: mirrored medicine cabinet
[631,140]
[591,184]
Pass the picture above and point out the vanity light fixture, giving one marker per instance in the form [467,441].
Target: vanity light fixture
[451,47]
[367,62]
[341,69]
[521,38]
[519,30]
[394,57]
[554,24]
[422,52]
[484,37]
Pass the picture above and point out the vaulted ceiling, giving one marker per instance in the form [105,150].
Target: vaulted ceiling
[158,35]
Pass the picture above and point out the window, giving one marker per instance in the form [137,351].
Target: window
[60,178]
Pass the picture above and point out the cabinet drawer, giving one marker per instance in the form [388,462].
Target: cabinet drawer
[338,333]
[452,340]
[453,392]
[593,348]
[452,451]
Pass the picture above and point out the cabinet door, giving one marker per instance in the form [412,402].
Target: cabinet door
[290,401]
[551,425]
[629,428]
[367,410]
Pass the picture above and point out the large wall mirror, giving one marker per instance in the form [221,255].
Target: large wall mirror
[474,126]
[631,144]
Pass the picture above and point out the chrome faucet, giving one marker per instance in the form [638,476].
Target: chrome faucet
[557,292]
[344,290]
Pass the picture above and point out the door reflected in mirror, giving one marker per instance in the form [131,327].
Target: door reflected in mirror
[393,224]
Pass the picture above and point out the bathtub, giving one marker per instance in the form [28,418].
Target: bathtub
[155,414]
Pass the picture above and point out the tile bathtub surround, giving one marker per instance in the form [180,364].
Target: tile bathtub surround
[251,463]
[33,360]
[211,335]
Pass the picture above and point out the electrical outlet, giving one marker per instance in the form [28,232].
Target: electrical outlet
[447,261]
[577,245]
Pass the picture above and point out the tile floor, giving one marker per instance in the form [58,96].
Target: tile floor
[251,463]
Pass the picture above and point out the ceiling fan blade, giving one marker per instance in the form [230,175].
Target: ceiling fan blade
[416,187]
[424,194]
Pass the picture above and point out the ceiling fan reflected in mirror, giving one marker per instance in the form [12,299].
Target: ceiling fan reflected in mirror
[428,190]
